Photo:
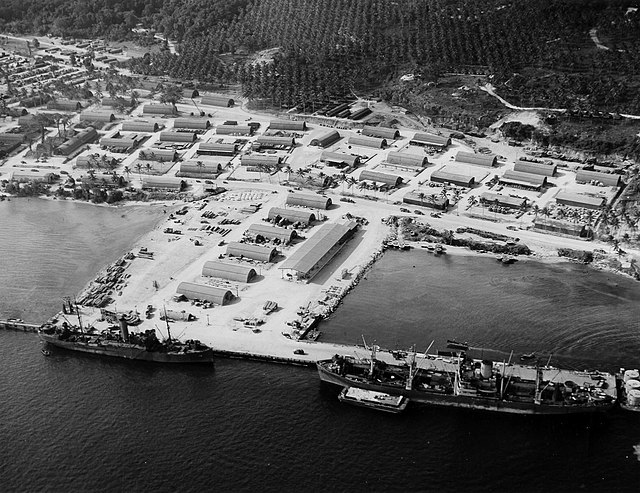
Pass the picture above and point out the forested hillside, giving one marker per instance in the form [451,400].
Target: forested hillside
[539,52]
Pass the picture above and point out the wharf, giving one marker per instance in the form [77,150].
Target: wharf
[19,325]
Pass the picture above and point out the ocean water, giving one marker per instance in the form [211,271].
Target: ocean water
[73,422]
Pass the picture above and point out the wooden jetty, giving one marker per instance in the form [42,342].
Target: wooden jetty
[19,325]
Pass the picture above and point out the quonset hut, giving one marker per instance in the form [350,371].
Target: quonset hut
[487,160]
[97,116]
[360,140]
[579,200]
[183,137]
[217,149]
[159,155]
[216,100]
[138,126]
[381,132]
[312,201]
[503,200]
[607,179]
[318,250]
[326,139]
[64,105]
[409,160]
[385,178]
[265,231]
[523,180]
[199,169]
[535,168]
[253,252]
[260,160]
[163,183]
[85,136]
[459,179]
[230,272]
[212,294]
[291,125]
[192,123]
[430,140]
[234,130]
[340,159]
[291,215]
[159,109]
[268,141]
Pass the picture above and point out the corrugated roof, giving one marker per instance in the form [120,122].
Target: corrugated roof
[315,248]
[271,232]
[395,157]
[457,178]
[502,199]
[430,139]
[526,179]
[204,292]
[339,157]
[326,139]
[477,159]
[255,252]
[381,132]
[300,126]
[367,141]
[231,272]
[293,215]
[608,179]
[385,178]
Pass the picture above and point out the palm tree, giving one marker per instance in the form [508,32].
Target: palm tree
[127,171]
[92,174]
[139,170]
[148,167]
[421,196]
[288,170]
[351,181]
[363,186]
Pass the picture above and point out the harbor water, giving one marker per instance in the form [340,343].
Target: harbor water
[78,423]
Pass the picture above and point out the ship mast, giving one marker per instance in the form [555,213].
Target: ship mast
[166,320]
[78,313]
[412,368]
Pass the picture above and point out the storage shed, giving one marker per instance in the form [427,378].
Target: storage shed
[360,113]
[292,125]
[607,179]
[97,116]
[271,233]
[230,272]
[192,123]
[310,200]
[557,226]
[182,137]
[381,132]
[27,175]
[212,294]
[535,168]
[234,130]
[291,215]
[430,140]
[326,139]
[580,200]
[459,179]
[360,140]
[340,159]
[217,149]
[387,179]
[140,126]
[117,102]
[524,180]
[159,109]
[255,252]
[487,160]
[217,100]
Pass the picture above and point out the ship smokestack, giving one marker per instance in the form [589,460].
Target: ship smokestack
[124,329]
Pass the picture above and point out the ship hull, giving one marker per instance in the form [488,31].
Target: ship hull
[131,352]
[463,402]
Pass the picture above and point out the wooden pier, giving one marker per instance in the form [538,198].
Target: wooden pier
[19,325]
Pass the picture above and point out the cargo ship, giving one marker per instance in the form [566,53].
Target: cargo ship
[629,389]
[464,382]
[140,346]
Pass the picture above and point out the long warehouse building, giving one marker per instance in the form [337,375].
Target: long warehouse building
[312,201]
[317,251]
[253,252]
[293,216]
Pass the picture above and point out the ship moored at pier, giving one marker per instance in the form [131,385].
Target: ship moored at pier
[464,382]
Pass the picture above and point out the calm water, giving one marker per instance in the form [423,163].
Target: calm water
[76,423]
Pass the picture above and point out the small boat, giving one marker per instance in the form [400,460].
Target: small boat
[528,356]
[439,249]
[453,344]
[46,352]
[374,400]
